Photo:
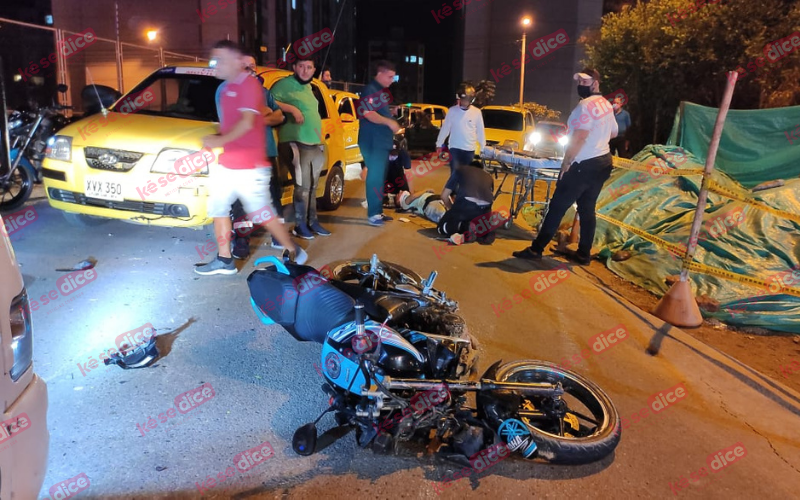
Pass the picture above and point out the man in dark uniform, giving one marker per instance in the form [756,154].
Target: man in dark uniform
[375,134]
[473,199]
[584,170]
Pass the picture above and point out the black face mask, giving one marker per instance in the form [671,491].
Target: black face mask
[584,91]
[302,82]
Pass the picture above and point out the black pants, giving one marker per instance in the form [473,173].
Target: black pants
[617,145]
[582,183]
[457,219]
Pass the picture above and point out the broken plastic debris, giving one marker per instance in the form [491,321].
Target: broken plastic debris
[139,357]
[81,266]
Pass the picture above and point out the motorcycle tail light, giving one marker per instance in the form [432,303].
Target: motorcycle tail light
[21,335]
[59,147]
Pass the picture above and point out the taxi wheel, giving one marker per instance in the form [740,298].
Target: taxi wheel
[334,190]
[80,220]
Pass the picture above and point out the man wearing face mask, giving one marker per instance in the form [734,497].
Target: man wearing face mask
[586,166]
[300,144]
[464,125]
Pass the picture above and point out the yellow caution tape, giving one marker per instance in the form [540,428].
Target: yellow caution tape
[655,170]
[713,186]
[680,251]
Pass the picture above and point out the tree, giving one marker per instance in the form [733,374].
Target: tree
[659,60]
[541,112]
[484,92]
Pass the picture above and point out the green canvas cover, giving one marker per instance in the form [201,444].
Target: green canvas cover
[756,145]
[736,236]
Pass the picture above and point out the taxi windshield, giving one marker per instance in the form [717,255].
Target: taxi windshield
[503,120]
[174,95]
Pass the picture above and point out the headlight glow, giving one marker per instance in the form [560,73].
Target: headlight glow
[59,147]
[535,138]
[563,140]
[168,158]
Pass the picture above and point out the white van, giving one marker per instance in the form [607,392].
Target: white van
[24,439]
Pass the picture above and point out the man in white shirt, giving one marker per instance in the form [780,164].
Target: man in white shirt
[464,125]
[584,170]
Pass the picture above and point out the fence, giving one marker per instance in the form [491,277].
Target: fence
[117,64]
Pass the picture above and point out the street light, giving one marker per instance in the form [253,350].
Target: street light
[526,21]
[152,34]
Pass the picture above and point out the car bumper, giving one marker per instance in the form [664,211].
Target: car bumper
[24,455]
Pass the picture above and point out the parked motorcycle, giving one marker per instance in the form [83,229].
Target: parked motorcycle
[28,132]
[391,340]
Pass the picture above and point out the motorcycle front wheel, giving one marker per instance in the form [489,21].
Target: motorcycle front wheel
[582,426]
[17,188]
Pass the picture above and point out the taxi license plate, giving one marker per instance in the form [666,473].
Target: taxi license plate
[103,188]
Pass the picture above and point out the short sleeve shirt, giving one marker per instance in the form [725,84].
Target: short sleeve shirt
[234,98]
[596,115]
[373,135]
[290,91]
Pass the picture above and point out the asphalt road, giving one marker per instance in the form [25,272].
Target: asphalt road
[265,385]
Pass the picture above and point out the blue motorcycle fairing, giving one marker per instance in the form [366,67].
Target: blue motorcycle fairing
[385,335]
[342,371]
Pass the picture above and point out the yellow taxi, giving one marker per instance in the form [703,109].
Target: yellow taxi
[433,112]
[508,125]
[346,103]
[141,160]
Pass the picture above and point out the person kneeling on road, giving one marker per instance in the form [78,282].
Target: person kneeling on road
[243,171]
[474,188]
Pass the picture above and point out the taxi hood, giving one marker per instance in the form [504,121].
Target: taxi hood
[138,132]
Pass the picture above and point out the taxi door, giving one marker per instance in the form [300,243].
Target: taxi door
[349,124]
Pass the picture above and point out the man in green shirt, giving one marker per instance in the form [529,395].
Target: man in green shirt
[300,144]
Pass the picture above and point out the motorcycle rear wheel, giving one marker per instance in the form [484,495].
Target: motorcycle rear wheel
[16,190]
[587,443]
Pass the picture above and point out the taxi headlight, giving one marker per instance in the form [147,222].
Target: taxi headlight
[182,162]
[535,138]
[59,147]
[563,140]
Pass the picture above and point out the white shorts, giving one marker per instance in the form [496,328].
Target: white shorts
[250,186]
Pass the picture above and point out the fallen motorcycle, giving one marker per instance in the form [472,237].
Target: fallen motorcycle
[399,364]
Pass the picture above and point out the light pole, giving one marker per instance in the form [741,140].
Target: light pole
[526,21]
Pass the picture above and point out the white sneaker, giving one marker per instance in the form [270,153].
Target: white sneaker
[457,239]
[365,204]
[299,257]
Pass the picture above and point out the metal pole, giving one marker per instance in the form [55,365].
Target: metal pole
[118,50]
[161,56]
[6,140]
[522,73]
[709,167]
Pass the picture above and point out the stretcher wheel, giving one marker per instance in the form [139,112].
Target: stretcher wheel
[509,222]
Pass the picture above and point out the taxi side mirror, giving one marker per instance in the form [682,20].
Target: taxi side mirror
[347,118]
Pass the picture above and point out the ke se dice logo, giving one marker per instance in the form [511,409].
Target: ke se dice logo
[310,44]
[248,459]
[604,340]
[664,399]
[190,400]
[726,456]
[70,487]
[549,43]
[70,282]
[14,425]
[373,102]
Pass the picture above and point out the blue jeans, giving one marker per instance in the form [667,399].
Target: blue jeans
[458,157]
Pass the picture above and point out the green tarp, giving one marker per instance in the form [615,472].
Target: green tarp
[735,237]
[756,145]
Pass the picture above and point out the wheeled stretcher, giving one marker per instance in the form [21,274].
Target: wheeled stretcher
[526,170]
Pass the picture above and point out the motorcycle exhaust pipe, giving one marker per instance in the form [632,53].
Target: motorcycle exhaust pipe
[526,388]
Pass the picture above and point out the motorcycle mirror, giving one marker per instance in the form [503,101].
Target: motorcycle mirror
[305,440]
[62,88]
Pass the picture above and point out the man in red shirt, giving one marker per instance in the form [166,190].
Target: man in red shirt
[243,171]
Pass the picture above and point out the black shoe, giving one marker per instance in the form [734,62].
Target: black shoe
[241,248]
[528,254]
[581,259]
[487,239]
